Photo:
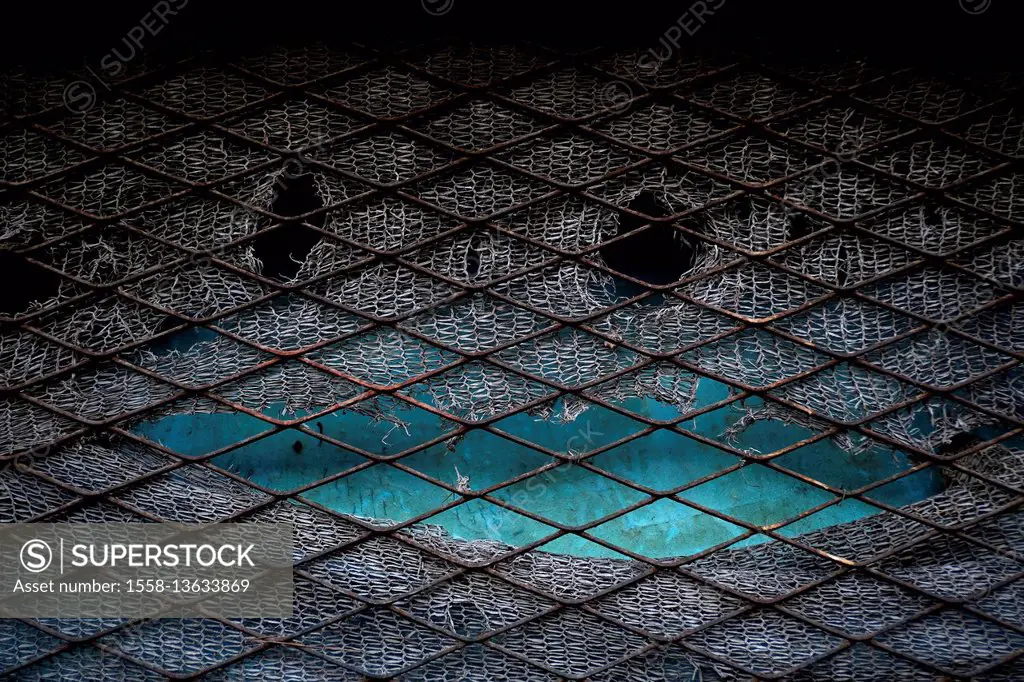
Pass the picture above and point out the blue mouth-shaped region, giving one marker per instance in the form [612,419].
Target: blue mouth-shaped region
[679,468]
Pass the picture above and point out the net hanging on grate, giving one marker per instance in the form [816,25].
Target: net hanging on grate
[466,254]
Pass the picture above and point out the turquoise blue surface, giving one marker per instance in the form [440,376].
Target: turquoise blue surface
[663,460]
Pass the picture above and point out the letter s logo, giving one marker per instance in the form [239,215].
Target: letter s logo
[79,97]
[36,556]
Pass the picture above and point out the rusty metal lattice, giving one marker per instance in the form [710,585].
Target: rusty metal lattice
[856,271]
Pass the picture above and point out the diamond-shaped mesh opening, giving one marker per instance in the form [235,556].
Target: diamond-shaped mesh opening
[846,325]
[480,65]
[479,191]
[749,95]
[864,662]
[928,100]
[826,392]
[103,326]
[27,223]
[753,291]
[205,92]
[293,125]
[457,607]
[30,156]
[998,325]
[751,160]
[266,189]
[180,646]
[939,640]
[697,604]
[933,228]
[98,463]
[108,191]
[858,604]
[33,92]
[843,259]
[617,365]
[385,93]
[198,223]
[27,357]
[571,94]
[567,159]
[931,163]
[999,260]
[677,190]
[549,641]
[565,289]
[937,294]
[660,325]
[383,357]
[103,392]
[998,393]
[28,497]
[192,494]
[402,291]
[90,255]
[200,417]
[384,158]
[996,128]
[387,224]
[566,222]
[936,425]
[754,358]
[842,192]
[662,127]
[184,358]
[296,65]
[453,391]
[25,426]
[839,129]
[197,291]
[655,70]
[937,359]
[202,158]
[477,324]
[290,323]
[996,195]
[478,125]
[800,642]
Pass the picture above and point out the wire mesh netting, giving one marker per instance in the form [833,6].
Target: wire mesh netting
[419,300]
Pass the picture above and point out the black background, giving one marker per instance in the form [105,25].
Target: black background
[937,33]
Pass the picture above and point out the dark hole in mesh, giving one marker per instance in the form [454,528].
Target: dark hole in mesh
[29,283]
[472,260]
[842,272]
[167,324]
[658,255]
[799,226]
[284,249]
[959,441]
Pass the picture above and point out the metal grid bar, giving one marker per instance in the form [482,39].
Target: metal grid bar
[677,93]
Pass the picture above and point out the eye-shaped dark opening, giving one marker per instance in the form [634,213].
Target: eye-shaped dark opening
[284,249]
[658,255]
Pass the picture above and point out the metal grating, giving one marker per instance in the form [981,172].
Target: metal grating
[855,270]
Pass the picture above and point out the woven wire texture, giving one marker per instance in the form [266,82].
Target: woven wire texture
[838,245]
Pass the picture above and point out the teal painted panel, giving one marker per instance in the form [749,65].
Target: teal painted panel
[572,495]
